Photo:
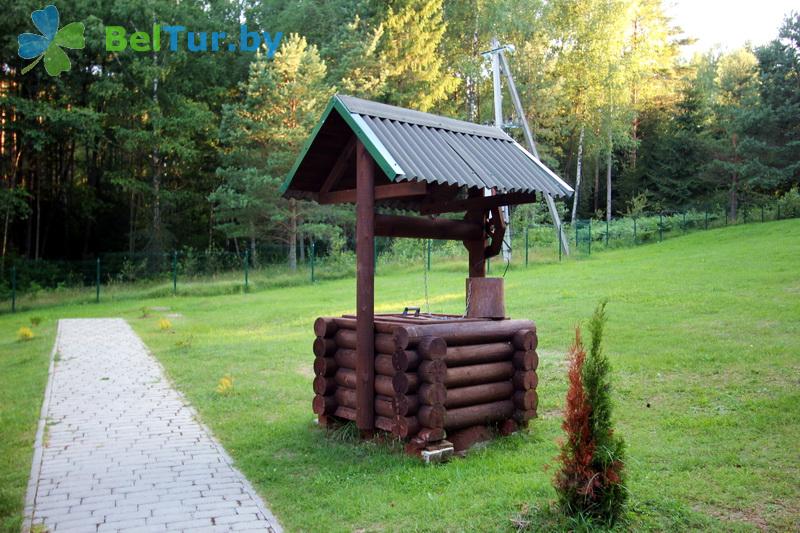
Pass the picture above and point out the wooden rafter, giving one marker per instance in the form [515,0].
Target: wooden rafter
[339,167]
[382,192]
[483,202]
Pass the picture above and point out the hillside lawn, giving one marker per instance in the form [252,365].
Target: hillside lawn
[703,335]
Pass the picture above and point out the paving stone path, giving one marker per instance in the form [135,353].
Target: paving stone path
[120,450]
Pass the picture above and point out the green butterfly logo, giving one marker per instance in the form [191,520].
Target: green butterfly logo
[48,44]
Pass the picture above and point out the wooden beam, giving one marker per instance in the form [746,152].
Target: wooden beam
[339,167]
[365,290]
[481,202]
[426,228]
[476,247]
[382,192]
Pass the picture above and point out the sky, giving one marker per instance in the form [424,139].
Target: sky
[729,23]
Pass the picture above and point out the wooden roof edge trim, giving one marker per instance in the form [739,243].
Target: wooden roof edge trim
[362,131]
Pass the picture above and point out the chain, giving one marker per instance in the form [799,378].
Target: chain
[425,276]
[469,294]
[510,250]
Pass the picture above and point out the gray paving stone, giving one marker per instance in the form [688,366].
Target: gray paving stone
[149,528]
[119,525]
[125,451]
[74,524]
[189,524]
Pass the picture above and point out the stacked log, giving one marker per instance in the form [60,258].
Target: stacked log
[430,395]
[431,377]
[525,380]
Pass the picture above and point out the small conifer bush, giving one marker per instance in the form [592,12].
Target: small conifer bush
[591,480]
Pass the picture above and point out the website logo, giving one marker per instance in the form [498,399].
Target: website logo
[178,38]
[48,45]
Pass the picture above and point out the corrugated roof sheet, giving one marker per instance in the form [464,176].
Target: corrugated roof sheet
[417,146]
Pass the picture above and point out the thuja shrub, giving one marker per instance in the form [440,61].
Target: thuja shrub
[591,479]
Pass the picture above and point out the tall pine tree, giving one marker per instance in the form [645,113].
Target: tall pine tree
[282,100]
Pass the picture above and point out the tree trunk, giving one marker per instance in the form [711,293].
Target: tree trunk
[29,236]
[302,243]
[131,224]
[608,178]
[210,227]
[292,234]
[471,84]
[11,184]
[734,196]
[5,234]
[635,124]
[253,242]
[635,139]
[597,181]
[577,178]
[38,216]
[157,239]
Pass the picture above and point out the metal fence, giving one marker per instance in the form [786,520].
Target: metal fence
[187,269]
[592,235]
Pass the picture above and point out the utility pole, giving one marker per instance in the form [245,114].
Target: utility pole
[500,64]
[498,122]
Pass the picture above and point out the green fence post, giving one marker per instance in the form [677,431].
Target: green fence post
[590,236]
[745,214]
[726,217]
[429,255]
[706,218]
[779,212]
[526,247]
[175,272]
[558,240]
[246,269]
[313,253]
[684,221]
[576,235]
[634,230]
[14,289]
[607,230]
[660,227]
[762,213]
[97,283]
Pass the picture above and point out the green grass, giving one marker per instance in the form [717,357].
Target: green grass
[23,375]
[703,339]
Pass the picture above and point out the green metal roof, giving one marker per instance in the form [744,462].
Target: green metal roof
[411,145]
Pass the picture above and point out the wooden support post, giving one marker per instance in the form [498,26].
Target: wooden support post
[365,290]
[476,248]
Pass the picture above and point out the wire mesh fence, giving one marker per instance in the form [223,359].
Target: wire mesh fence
[586,236]
[207,272]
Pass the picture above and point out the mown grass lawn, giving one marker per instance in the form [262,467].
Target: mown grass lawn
[704,337]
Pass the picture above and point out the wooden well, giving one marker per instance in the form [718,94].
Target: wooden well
[420,377]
